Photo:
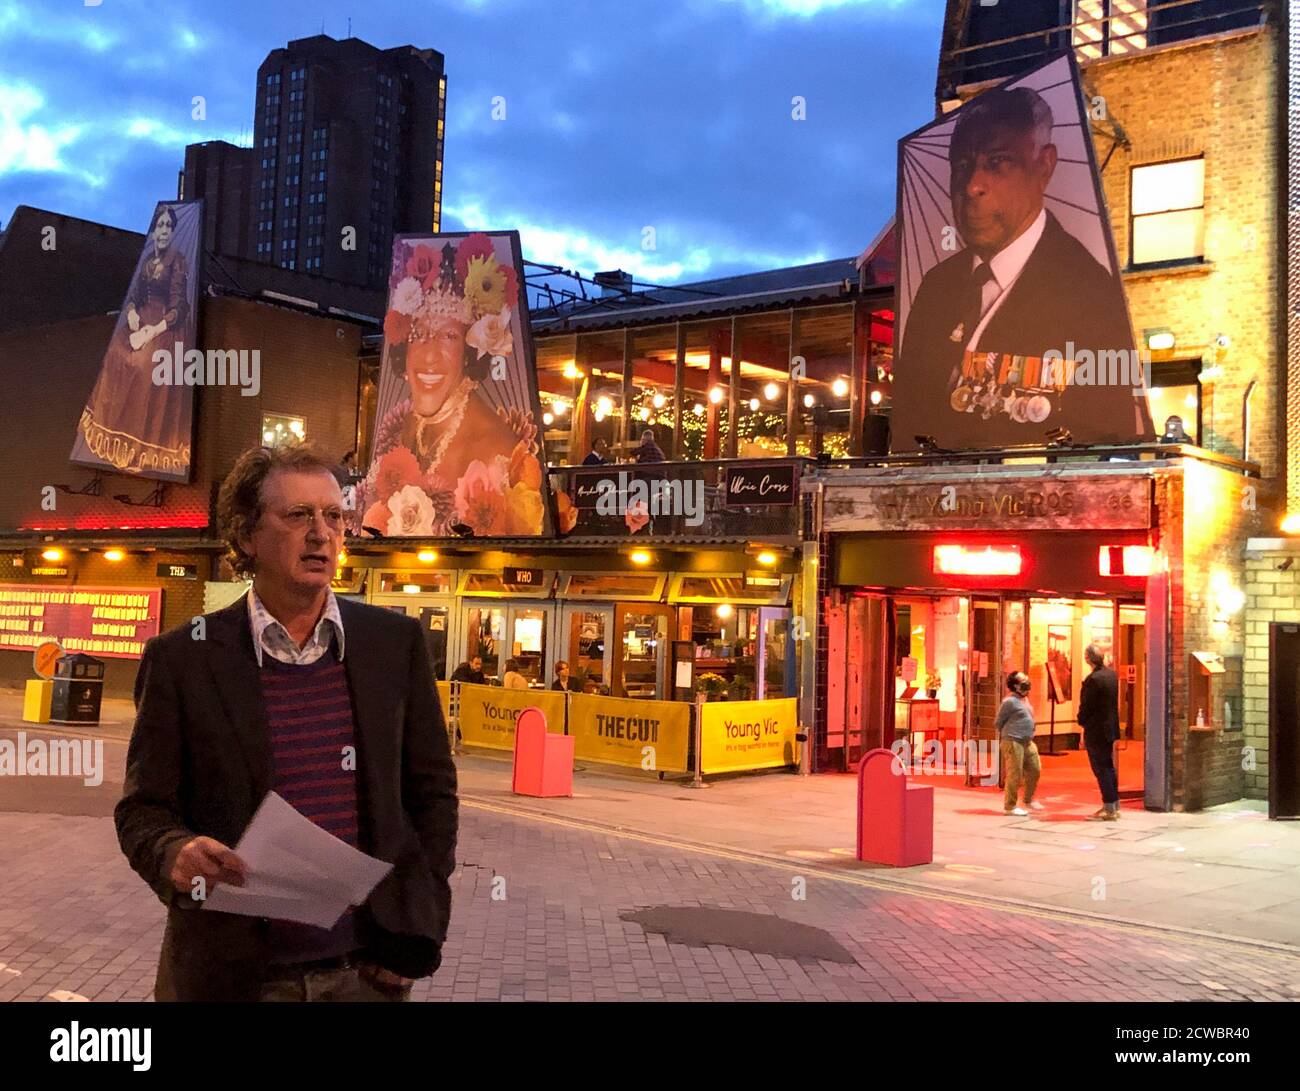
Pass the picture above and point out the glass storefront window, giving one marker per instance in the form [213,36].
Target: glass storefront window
[726,649]
[776,656]
[492,583]
[558,388]
[598,392]
[823,339]
[528,645]
[588,634]
[485,630]
[642,653]
[614,585]
[417,582]
[433,622]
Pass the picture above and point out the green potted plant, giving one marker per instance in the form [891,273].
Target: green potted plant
[711,685]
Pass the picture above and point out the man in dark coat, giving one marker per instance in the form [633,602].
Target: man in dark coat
[249,700]
[1099,717]
[470,671]
[970,370]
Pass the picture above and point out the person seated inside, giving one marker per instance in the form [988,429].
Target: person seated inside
[599,453]
[649,450]
[470,671]
[564,679]
[514,679]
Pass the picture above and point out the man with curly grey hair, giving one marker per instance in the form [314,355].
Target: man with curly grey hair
[329,703]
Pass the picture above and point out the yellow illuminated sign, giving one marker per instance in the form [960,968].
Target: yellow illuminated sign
[488,713]
[741,735]
[650,735]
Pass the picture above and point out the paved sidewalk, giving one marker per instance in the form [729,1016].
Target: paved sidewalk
[1227,871]
[545,911]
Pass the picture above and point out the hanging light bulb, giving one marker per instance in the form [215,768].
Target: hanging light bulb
[771,391]
[840,387]
[716,395]
[659,401]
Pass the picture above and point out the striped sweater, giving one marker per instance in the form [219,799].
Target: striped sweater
[309,716]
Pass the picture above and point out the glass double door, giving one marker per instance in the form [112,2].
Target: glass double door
[510,634]
[435,619]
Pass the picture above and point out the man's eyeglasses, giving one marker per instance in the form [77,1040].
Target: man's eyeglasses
[303,516]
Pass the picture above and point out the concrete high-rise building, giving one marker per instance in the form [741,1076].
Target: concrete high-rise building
[347,151]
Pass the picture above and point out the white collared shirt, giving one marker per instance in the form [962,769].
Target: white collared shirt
[271,636]
[1006,265]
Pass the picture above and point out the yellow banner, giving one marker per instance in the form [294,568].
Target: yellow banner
[444,699]
[488,713]
[650,735]
[748,735]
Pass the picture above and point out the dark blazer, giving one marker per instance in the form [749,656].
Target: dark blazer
[1061,295]
[1099,708]
[199,763]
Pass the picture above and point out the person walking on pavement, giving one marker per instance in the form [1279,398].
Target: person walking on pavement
[1099,718]
[1015,724]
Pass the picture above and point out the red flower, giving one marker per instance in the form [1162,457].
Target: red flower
[397,327]
[512,286]
[423,265]
[477,245]
[396,469]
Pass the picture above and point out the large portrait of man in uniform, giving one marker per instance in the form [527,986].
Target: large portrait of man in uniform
[1011,312]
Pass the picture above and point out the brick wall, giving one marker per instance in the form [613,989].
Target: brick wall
[1217,98]
[1272,594]
[1206,515]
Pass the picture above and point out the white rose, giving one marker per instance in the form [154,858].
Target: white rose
[491,334]
[412,513]
[407,296]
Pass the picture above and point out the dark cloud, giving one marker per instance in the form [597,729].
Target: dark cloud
[619,117]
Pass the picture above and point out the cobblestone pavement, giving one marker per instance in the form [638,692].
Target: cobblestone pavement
[537,917]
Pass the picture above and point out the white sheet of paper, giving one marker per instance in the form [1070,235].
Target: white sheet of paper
[296,870]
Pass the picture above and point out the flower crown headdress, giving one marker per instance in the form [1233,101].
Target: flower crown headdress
[443,300]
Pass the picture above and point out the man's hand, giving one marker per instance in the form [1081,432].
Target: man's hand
[385,977]
[209,858]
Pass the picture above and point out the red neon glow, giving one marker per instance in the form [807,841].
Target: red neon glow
[958,560]
[1129,560]
[116,522]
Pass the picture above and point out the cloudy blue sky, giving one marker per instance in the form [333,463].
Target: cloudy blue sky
[620,115]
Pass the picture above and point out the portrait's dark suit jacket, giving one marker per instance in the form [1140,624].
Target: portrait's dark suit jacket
[199,763]
[1061,295]
[1099,708]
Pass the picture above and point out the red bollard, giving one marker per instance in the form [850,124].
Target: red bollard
[895,819]
[543,762]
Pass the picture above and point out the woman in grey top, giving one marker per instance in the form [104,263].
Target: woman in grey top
[1015,723]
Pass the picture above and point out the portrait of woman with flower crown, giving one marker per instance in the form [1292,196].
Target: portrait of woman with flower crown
[456,441]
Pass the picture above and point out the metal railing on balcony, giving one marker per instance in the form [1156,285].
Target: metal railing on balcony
[733,499]
[1100,28]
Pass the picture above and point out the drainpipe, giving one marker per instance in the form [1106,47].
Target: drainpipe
[1245,420]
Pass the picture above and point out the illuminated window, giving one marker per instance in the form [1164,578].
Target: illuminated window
[279,430]
[1176,392]
[1167,209]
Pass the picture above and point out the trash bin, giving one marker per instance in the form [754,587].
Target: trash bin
[78,689]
